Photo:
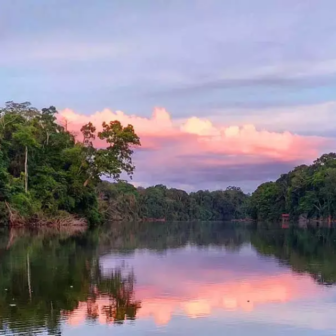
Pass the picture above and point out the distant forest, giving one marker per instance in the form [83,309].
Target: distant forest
[48,174]
[307,190]
[122,201]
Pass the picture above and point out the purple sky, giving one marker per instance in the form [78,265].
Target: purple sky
[266,63]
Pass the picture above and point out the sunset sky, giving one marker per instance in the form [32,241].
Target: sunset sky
[220,92]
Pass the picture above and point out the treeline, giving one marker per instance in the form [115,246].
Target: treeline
[308,191]
[123,202]
[46,174]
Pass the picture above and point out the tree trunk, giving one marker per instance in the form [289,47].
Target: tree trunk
[87,181]
[26,170]
[28,277]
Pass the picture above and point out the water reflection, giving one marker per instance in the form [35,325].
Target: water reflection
[309,250]
[45,278]
[127,273]
[111,300]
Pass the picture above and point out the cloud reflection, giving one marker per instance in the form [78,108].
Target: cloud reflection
[165,288]
[244,296]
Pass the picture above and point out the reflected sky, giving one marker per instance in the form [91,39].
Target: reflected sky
[204,291]
[171,279]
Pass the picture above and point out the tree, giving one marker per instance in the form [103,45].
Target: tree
[45,171]
[122,201]
[25,136]
[266,202]
[305,191]
[116,157]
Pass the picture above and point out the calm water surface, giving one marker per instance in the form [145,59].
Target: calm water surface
[169,279]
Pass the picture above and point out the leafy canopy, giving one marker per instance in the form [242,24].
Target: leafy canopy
[61,173]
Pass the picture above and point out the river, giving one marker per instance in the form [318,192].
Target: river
[169,279]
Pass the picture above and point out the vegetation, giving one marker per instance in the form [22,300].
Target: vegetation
[44,172]
[45,175]
[122,201]
[307,191]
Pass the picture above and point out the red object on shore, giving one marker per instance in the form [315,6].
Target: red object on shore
[154,219]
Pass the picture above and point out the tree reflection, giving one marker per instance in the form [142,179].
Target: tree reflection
[310,250]
[44,278]
[168,235]
[47,278]
[111,300]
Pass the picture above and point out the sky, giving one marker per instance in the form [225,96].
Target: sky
[221,93]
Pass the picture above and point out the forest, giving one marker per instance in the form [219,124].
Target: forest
[48,174]
[122,201]
[308,191]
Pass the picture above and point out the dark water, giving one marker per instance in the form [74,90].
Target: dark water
[169,279]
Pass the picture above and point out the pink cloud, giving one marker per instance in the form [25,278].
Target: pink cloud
[199,142]
[197,135]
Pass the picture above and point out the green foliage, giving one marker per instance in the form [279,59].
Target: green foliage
[4,180]
[266,202]
[307,191]
[25,204]
[43,169]
[122,201]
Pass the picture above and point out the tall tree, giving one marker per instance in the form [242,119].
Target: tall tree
[45,171]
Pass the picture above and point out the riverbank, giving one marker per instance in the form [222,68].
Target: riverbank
[62,219]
